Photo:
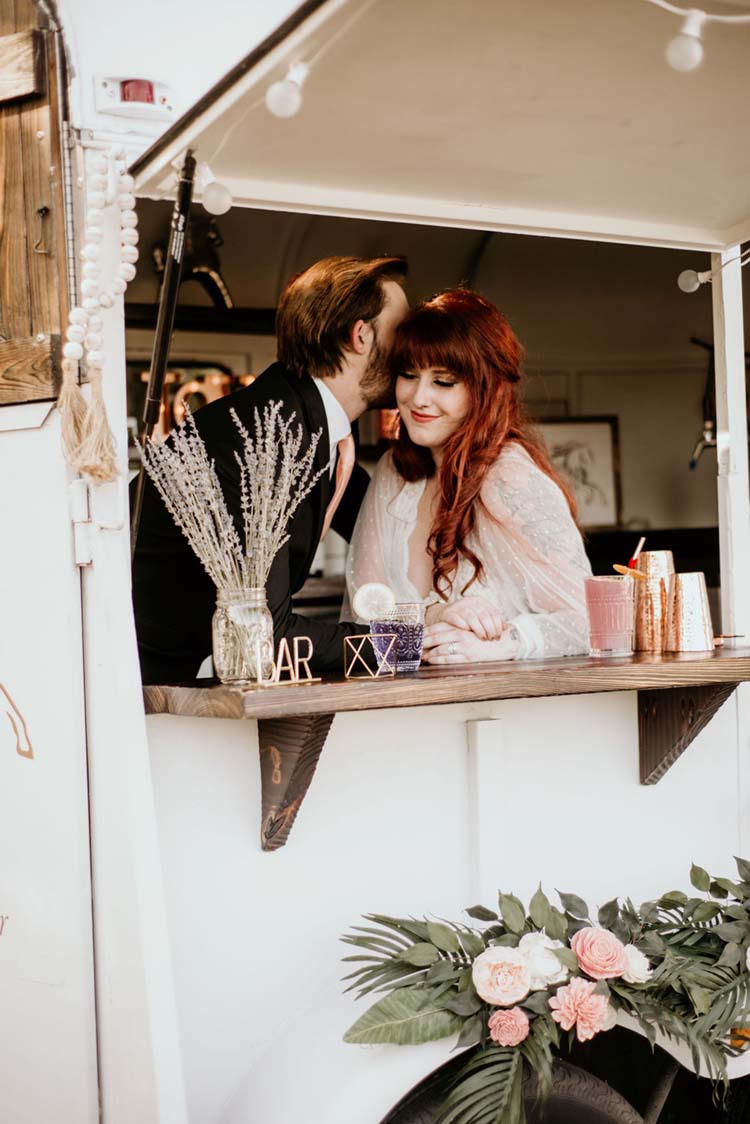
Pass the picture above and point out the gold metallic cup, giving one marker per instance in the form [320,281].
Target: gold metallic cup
[689,625]
[652,600]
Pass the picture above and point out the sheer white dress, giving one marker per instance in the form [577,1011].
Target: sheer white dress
[532,552]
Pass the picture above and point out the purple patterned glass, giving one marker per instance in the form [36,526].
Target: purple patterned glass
[407,622]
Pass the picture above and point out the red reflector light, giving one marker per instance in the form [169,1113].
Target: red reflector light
[137,89]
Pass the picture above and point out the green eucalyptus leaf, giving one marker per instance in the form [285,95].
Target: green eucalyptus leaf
[609,913]
[706,911]
[537,1002]
[405,1018]
[731,955]
[471,1033]
[673,898]
[602,988]
[574,905]
[700,878]
[513,913]
[479,913]
[716,890]
[556,927]
[539,908]
[567,957]
[420,954]
[507,940]
[473,944]
[464,1003]
[737,912]
[730,886]
[443,937]
[465,980]
[441,971]
[731,931]
[743,869]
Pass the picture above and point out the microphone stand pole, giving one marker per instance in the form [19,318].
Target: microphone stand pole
[164,325]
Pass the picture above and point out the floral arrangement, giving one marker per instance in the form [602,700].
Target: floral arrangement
[274,474]
[517,987]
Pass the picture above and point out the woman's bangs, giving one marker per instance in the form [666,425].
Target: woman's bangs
[427,341]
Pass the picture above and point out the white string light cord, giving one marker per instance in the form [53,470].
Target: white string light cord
[685,51]
[88,442]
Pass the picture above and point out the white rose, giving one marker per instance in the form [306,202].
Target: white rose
[544,966]
[501,976]
[638,970]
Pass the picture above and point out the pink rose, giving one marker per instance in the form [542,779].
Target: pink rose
[577,1005]
[601,955]
[501,976]
[509,1028]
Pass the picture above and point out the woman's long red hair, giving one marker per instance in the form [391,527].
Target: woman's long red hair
[463,333]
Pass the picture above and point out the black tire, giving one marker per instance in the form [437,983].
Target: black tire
[577,1098]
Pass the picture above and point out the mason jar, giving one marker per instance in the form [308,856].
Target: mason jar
[242,631]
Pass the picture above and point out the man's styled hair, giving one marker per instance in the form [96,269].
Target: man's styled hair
[319,307]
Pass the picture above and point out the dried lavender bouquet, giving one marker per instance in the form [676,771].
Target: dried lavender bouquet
[275,477]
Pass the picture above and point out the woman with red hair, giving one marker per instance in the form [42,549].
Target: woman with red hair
[466,512]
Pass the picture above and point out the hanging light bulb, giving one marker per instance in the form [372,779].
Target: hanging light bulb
[685,51]
[690,281]
[284,98]
[215,197]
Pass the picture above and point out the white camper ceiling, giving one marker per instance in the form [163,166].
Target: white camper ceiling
[544,116]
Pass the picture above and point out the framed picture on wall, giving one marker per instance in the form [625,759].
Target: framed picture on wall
[586,452]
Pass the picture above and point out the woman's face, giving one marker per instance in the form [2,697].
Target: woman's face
[433,403]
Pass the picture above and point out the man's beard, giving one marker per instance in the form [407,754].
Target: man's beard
[376,385]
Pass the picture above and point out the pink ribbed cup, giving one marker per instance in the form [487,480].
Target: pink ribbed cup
[609,601]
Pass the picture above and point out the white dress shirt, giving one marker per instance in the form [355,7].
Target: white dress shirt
[339,425]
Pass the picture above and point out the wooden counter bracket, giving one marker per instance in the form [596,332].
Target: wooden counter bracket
[669,720]
[289,753]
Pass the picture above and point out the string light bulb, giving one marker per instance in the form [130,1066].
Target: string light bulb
[215,197]
[685,52]
[690,280]
[284,98]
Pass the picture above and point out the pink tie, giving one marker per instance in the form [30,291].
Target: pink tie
[344,466]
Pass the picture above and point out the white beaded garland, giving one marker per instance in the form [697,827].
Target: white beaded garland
[84,334]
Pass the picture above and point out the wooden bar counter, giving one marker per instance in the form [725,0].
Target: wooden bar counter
[678,694]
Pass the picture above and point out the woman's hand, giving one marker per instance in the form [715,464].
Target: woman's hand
[474,614]
[443,643]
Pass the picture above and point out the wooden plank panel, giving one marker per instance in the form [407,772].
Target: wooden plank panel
[470,683]
[27,370]
[15,315]
[39,210]
[21,69]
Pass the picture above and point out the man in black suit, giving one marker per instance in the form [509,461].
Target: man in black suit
[334,326]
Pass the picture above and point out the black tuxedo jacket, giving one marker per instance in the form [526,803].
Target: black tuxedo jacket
[174,598]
